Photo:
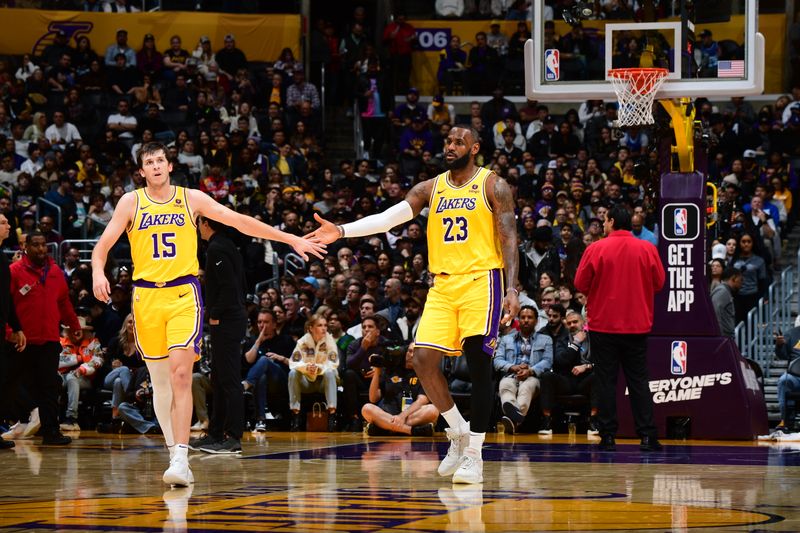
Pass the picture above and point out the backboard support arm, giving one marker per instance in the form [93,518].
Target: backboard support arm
[682,113]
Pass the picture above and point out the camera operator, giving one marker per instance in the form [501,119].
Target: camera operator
[358,372]
[398,402]
[136,412]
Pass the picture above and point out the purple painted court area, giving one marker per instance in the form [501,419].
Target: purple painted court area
[575,453]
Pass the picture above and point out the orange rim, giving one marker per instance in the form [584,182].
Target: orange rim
[642,78]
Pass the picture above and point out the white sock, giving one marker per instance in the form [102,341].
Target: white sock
[455,420]
[180,450]
[162,397]
[476,441]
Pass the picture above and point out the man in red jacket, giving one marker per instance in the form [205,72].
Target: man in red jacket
[41,300]
[620,275]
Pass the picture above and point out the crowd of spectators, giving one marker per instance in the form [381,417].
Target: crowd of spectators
[251,137]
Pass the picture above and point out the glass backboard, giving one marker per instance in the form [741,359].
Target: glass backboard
[710,47]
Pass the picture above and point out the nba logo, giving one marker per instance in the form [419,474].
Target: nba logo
[678,353]
[552,64]
[681,222]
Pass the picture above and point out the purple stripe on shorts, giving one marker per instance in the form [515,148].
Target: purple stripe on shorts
[490,304]
[495,311]
[196,339]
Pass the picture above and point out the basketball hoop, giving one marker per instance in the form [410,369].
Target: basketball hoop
[636,88]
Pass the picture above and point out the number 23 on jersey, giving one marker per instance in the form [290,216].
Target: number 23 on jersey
[455,229]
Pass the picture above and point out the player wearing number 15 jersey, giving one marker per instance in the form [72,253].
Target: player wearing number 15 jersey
[472,237]
[166,291]
[167,310]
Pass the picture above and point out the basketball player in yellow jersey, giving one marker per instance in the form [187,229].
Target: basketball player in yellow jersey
[167,309]
[472,236]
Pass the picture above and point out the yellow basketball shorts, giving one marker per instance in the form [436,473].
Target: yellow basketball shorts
[167,316]
[461,306]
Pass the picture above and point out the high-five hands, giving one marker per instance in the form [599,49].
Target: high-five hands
[309,245]
[326,233]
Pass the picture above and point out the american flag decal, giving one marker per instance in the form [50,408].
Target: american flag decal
[730,69]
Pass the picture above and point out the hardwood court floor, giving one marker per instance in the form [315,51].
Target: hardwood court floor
[346,482]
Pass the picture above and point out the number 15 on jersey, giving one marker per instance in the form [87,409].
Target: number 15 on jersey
[163,245]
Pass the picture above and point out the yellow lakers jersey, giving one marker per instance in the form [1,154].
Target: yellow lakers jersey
[462,236]
[163,238]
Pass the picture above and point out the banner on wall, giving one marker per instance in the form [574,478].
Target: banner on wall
[260,37]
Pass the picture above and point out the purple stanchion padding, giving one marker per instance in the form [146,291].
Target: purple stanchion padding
[694,372]
[683,307]
[710,383]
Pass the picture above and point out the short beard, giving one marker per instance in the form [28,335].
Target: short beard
[459,163]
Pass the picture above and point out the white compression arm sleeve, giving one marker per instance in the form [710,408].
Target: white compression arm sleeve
[380,223]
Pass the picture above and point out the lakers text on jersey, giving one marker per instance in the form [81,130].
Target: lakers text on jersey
[462,236]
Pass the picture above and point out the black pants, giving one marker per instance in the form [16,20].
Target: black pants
[6,401]
[353,383]
[39,376]
[15,399]
[554,384]
[609,351]
[227,415]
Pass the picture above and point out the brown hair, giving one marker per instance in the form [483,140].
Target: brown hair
[149,148]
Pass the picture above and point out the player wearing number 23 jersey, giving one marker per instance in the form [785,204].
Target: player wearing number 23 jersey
[466,257]
[166,292]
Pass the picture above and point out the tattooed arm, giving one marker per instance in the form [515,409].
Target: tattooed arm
[419,195]
[502,201]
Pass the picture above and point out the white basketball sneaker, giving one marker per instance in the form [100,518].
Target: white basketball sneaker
[458,442]
[15,432]
[471,468]
[33,425]
[178,474]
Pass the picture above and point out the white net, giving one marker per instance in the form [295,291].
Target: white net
[636,88]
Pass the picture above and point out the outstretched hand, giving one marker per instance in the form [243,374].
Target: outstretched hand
[327,232]
[309,245]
